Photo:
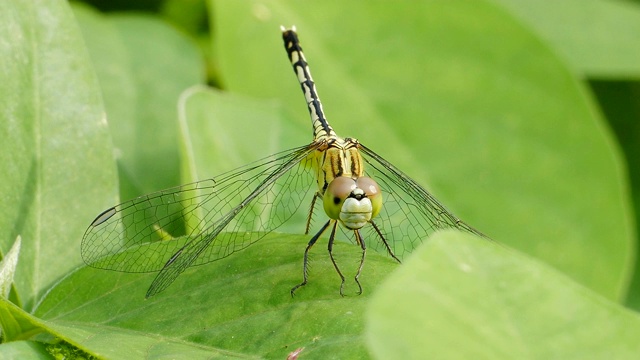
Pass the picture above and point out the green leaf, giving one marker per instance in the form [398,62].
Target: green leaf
[469,103]
[620,102]
[190,15]
[56,163]
[598,38]
[100,340]
[220,131]
[143,65]
[24,350]
[461,297]
[136,345]
[8,268]
[16,323]
[241,303]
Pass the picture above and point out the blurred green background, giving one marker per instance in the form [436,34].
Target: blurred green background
[570,155]
[522,117]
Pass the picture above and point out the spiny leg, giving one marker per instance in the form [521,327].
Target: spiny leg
[360,241]
[306,257]
[335,265]
[384,241]
[313,204]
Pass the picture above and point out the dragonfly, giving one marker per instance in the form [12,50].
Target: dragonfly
[364,199]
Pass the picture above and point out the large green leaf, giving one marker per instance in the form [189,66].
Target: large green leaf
[461,297]
[598,37]
[221,131]
[24,350]
[240,304]
[55,164]
[99,340]
[599,40]
[143,65]
[467,101]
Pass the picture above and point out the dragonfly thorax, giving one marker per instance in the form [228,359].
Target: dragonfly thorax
[352,201]
[340,157]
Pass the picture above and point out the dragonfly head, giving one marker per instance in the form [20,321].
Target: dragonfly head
[352,201]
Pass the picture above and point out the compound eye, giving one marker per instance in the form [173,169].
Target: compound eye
[368,185]
[372,191]
[338,190]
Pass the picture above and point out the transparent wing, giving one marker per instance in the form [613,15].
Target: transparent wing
[409,212]
[201,222]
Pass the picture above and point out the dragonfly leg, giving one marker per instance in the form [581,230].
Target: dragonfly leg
[305,272]
[313,204]
[335,265]
[384,241]
[360,241]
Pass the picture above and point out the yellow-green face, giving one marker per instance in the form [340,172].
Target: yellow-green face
[347,194]
[353,202]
